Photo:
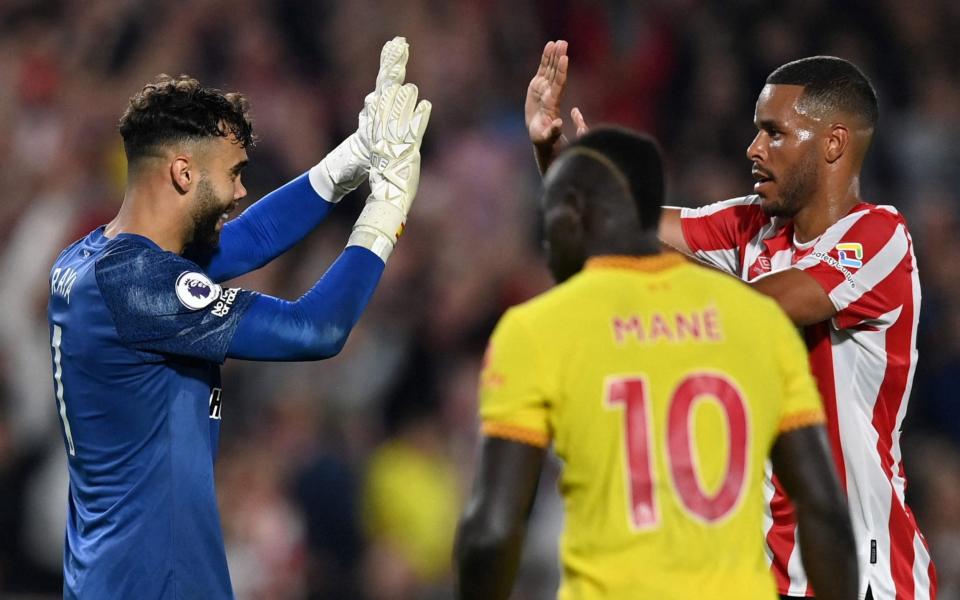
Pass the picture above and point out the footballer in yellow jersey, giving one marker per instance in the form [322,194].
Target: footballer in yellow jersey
[647,376]
[663,386]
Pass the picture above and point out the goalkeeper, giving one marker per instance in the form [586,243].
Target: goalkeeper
[139,322]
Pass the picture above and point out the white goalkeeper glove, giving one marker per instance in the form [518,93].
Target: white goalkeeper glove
[345,168]
[399,123]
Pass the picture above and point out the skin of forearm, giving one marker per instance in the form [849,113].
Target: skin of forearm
[487,568]
[829,553]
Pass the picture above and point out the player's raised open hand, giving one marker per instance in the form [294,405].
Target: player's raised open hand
[545,93]
[348,164]
[398,126]
[393,70]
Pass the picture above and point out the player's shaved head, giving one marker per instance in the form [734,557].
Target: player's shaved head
[602,196]
[636,159]
[595,179]
[830,85]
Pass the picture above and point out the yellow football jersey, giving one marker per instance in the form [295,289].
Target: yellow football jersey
[662,386]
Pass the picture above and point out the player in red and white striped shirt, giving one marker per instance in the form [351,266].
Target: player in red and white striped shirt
[842,268]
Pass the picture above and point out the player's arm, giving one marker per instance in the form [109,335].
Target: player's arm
[316,326]
[545,128]
[859,270]
[798,294]
[516,385]
[802,463]
[670,231]
[491,531]
[162,304]
[279,220]
[542,105]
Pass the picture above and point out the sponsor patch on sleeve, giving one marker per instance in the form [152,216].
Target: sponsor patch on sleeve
[829,260]
[850,254]
[225,303]
[195,290]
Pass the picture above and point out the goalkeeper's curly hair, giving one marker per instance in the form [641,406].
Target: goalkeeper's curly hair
[170,110]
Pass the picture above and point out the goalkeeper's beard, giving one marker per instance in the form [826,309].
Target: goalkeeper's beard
[205,217]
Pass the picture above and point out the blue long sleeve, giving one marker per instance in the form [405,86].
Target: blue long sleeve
[267,229]
[315,326]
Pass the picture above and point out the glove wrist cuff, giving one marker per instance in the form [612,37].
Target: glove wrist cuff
[378,227]
[372,240]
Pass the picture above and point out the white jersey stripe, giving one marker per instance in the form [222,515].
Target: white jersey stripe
[868,490]
[768,492]
[915,284]
[921,564]
[798,578]
[725,260]
[711,209]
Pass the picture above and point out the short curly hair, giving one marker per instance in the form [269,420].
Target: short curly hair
[177,109]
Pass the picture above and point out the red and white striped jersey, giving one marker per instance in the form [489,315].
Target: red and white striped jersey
[863,360]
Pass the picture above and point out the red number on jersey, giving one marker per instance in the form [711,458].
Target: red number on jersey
[632,393]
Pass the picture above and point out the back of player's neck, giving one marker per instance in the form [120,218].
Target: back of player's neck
[127,222]
[644,244]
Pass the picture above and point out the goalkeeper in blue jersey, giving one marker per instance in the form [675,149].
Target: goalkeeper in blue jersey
[139,323]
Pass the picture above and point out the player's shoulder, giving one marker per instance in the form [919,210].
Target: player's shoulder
[133,272]
[750,204]
[133,256]
[750,200]
[548,303]
[67,252]
[536,317]
[876,218]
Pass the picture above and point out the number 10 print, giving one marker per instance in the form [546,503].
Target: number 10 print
[632,392]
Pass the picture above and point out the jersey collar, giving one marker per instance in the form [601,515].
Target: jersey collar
[653,263]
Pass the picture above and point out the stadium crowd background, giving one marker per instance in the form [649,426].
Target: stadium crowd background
[344,478]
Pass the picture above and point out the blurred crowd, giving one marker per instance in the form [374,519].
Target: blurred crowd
[344,478]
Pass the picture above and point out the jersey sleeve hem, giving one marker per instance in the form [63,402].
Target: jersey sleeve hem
[798,420]
[516,433]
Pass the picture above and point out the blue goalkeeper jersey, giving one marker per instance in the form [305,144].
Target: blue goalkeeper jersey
[137,336]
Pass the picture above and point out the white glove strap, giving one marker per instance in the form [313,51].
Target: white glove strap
[377,228]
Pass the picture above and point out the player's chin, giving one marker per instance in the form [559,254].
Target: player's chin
[772,205]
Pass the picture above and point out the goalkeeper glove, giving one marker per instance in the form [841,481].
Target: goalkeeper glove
[397,132]
[345,167]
